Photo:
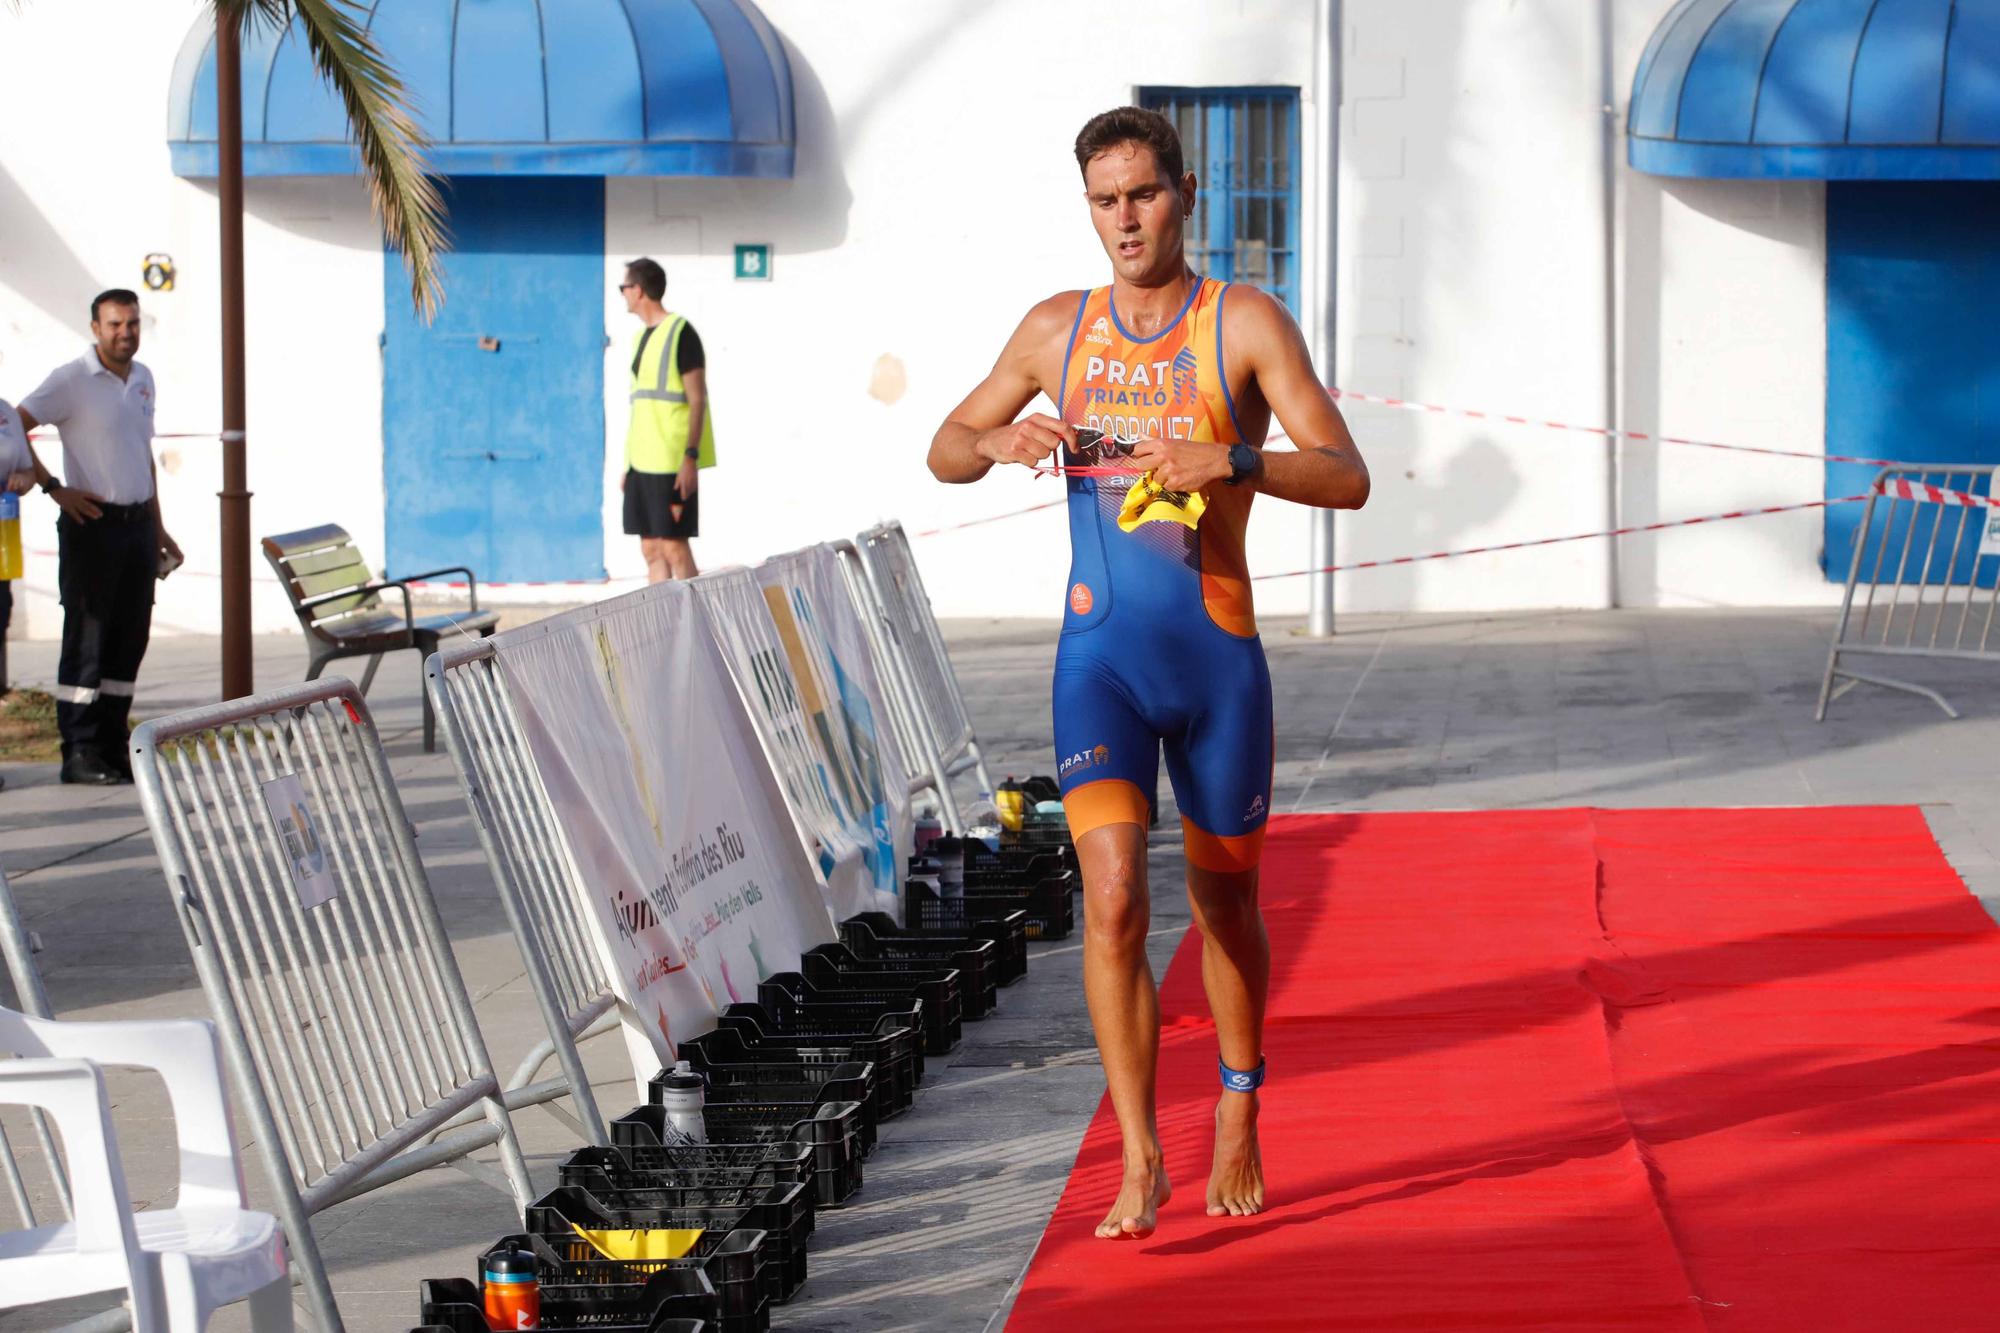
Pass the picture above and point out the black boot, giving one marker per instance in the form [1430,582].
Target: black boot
[86,768]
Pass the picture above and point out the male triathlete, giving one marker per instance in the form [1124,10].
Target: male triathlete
[1172,374]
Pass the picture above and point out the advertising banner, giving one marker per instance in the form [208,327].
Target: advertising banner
[826,650]
[694,874]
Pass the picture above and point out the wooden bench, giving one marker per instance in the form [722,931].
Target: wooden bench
[342,611]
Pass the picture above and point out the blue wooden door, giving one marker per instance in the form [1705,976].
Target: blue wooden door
[1912,340]
[493,415]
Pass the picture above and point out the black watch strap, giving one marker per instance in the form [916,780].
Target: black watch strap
[52,485]
[1242,463]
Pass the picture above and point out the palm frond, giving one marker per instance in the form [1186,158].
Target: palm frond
[392,147]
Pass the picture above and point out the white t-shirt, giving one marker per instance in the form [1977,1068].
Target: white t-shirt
[14,456]
[106,425]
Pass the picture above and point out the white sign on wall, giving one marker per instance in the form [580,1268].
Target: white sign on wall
[693,872]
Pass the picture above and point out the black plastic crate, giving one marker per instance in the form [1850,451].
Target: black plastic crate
[785,1217]
[891,1083]
[731,1085]
[977,960]
[856,1079]
[1017,870]
[835,967]
[780,1210]
[573,1271]
[678,1301]
[1007,933]
[829,987]
[777,1011]
[1020,857]
[1049,913]
[973,983]
[578,1280]
[720,1164]
[831,1131]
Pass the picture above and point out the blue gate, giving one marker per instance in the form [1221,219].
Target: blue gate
[1912,341]
[493,415]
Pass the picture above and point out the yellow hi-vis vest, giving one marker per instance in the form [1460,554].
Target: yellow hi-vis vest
[657,436]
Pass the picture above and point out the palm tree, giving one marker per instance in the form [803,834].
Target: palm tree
[392,148]
[392,158]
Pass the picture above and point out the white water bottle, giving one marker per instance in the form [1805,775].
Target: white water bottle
[681,1098]
[950,853]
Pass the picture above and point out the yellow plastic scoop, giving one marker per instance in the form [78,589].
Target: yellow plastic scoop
[655,1243]
[1149,502]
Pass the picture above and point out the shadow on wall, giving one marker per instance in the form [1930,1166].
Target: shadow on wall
[39,264]
[805,214]
[1765,209]
[1415,233]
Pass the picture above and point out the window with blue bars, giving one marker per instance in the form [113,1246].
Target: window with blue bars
[1243,146]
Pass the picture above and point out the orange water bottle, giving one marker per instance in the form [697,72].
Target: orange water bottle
[11,564]
[513,1290]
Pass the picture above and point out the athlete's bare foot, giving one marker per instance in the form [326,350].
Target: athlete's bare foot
[1136,1211]
[1236,1182]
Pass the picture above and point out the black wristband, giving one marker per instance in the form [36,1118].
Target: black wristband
[52,485]
[690,453]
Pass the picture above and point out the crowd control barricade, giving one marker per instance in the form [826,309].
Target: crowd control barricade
[743,629]
[907,724]
[1922,582]
[918,653]
[344,1017]
[533,868]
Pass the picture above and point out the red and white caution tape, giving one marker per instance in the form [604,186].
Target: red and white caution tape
[1603,432]
[991,518]
[1922,493]
[1552,541]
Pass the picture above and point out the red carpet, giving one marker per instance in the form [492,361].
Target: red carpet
[1723,1069]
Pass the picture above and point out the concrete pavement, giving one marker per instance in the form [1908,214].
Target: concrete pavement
[1612,709]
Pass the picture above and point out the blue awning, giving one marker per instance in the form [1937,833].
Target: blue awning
[1821,90]
[518,88]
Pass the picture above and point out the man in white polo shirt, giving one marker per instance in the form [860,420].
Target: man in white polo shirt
[112,543]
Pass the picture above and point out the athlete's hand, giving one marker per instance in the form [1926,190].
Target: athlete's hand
[1182,465]
[1028,441]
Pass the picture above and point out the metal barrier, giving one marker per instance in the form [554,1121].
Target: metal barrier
[918,651]
[533,868]
[345,1019]
[741,622]
[1923,532]
[907,723]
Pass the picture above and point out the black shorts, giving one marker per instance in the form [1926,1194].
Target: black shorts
[654,508]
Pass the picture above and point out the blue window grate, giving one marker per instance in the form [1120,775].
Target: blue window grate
[1243,146]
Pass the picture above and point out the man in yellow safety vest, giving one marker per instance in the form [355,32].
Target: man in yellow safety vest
[671,434]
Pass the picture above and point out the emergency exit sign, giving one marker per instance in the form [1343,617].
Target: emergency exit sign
[753,263]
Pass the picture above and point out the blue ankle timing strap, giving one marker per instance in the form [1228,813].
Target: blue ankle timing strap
[1240,1080]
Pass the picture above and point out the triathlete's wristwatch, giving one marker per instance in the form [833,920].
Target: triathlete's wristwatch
[1242,463]
[52,485]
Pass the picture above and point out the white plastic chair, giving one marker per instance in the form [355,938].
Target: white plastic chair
[179,1264]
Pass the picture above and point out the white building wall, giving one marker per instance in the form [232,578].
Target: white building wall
[935,200]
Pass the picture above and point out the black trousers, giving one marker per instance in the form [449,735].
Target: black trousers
[106,577]
[6,615]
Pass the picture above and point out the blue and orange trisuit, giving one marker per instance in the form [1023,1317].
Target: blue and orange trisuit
[1159,643]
